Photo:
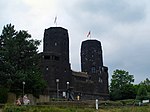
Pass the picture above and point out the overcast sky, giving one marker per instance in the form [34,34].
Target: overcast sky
[122,26]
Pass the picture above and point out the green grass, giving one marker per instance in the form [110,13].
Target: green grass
[81,106]
[127,109]
[11,108]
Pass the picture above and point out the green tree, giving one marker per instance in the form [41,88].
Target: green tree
[19,60]
[121,85]
[128,91]
[3,94]
[6,46]
[144,90]
[142,93]
[146,83]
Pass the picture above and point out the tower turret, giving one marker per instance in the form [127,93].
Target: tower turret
[55,58]
[91,56]
[92,64]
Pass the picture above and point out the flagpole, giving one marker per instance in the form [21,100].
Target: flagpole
[89,34]
[55,21]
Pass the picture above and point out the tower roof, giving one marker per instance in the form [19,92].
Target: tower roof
[92,41]
[56,29]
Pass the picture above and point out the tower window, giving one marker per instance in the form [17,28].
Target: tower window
[46,67]
[46,57]
[55,44]
[93,70]
[100,80]
[56,58]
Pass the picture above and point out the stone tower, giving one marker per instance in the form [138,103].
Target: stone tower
[92,64]
[91,56]
[54,63]
[55,58]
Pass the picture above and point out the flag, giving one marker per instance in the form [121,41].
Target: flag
[55,20]
[89,34]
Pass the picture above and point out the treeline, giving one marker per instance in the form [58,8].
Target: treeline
[122,87]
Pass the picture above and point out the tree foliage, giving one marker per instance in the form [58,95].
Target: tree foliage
[146,83]
[19,60]
[142,93]
[144,90]
[3,94]
[121,86]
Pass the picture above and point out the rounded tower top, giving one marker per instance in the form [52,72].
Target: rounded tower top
[91,43]
[56,39]
[56,29]
[91,56]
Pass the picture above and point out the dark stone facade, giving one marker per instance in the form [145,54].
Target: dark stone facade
[92,64]
[91,56]
[55,59]
[91,83]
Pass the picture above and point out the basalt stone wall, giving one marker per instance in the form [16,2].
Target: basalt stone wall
[55,58]
[54,63]
[92,64]
[91,56]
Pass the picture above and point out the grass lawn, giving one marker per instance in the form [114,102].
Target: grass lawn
[126,109]
[11,108]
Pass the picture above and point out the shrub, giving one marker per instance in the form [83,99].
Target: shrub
[3,95]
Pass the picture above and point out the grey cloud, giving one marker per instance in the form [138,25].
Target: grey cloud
[12,11]
[118,10]
[11,7]
[110,21]
[131,56]
[102,15]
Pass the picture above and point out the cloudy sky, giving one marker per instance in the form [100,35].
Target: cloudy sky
[122,26]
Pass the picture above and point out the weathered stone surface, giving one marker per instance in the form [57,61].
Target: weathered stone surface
[91,83]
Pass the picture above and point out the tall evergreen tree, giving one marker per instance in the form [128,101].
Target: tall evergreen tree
[19,60]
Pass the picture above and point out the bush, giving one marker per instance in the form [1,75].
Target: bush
[3,95]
